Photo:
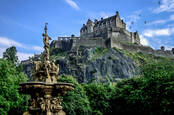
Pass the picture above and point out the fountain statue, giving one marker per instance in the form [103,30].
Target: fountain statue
[44,89]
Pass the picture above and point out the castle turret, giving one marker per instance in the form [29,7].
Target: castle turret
[89,22]
[136,38]
[83,30]
[162,48]
[117,14]
[90,26]
[119,23]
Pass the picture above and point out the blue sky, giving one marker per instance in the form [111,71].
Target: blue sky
[22,21]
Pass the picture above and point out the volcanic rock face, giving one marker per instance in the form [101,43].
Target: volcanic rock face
[98,64]
[89,64]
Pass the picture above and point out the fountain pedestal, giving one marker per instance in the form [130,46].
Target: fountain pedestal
[44,90]
[45,98]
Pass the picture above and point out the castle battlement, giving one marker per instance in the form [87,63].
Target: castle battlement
[105,33]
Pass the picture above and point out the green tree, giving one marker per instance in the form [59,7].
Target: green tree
[99,96]
[11,54]
[150,94]
[163,68]
[75,102]
[11,102]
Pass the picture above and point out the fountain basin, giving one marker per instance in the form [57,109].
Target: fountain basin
[54,88]
[45,98]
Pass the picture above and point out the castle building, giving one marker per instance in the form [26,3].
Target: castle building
[106,33]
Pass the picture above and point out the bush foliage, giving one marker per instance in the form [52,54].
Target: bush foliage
[75,102]
[150,94]
[10,99]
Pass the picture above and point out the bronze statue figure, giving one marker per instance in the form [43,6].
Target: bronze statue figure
[46,39]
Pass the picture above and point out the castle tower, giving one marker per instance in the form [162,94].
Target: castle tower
[87,29]
[90,26]
[119,23]
[83,30]
[137,38]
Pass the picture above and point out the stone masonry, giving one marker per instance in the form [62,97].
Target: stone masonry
[105,33]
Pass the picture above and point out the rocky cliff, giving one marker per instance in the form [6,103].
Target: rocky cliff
[94,64]
[97,64]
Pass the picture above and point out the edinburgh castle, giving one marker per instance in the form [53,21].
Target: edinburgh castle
[105,33]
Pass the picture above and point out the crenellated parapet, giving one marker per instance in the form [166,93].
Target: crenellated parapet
[103,24]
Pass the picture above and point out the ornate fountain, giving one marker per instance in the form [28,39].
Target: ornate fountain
[44,89]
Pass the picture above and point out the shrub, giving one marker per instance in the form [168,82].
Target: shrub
[75,102]
[150,94]
[10,100]
[99,96]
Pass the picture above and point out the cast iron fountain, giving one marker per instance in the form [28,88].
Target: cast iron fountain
[44,89]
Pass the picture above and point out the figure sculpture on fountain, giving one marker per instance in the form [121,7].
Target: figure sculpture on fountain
[46,39]
[46,72]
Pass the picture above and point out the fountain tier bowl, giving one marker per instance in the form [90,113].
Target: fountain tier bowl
[55,89]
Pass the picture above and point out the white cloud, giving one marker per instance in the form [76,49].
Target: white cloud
[165,6]
[37,48]
[1,52]
[133,18]
[72,4]
[163,21]
[170,25]
[169,47]
[24,56]
[143,41]
[21,56]
[157,22]
[171,18]
[158,32]
[6,42]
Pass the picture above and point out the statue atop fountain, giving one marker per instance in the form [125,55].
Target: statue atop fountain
[44,89]
[46,71]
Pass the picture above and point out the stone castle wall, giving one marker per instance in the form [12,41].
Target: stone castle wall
[89,42]
[116,40]
[67,44]
[106,33]
[147,50]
